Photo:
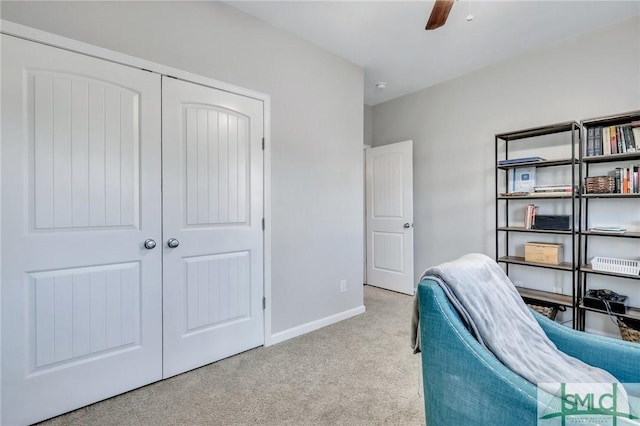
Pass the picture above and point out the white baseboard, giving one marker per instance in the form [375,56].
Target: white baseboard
[281,336]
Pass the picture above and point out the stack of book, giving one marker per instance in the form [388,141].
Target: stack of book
[609,229]
[627,179]
[607,140]
[559,189]
[521,160]
[530,212]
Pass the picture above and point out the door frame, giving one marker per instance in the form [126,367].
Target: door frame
[50,39]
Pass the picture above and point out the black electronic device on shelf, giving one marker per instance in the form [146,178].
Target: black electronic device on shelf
[605,300]
[558,222]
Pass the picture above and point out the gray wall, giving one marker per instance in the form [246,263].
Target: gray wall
[368,125]
[316,122]
[453,126]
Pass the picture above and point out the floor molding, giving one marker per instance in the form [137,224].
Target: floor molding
[315,325]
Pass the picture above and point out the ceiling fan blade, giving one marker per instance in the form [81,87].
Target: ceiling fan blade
[439,14]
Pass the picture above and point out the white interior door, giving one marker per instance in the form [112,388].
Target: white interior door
[389,182]
[213,211]
[81,296]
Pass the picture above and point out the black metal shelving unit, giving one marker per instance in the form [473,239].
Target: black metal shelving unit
[586,270]
[503,204]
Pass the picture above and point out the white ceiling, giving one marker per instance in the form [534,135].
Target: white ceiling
[387,38]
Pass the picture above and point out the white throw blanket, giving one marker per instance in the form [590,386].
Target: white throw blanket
[493,309]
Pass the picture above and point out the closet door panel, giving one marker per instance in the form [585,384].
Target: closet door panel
[213,206]
[81,295]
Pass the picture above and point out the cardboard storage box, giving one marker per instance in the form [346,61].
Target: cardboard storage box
[549,253]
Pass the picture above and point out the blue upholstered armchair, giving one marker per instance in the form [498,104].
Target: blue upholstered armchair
[464,384]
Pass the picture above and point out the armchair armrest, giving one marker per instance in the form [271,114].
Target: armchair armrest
[618,357]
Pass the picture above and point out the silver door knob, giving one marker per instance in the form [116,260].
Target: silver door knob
[149,244]
[173,243]
[407,225]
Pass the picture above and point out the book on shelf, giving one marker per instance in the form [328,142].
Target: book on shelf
[514,194]
[621,142]
[553,188]
[630,140]
[625,181]
[597,136]
[605,148]
[591,141]
[530,212]
[616,139]
[523,179]
[536,194]
[546,194]
[521,160]
[609,229]
[617,176]
[635,131]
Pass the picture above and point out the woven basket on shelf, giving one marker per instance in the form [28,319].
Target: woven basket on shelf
[629,334]
[548,311]
[599,184]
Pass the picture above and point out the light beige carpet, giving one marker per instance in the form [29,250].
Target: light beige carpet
[357,372]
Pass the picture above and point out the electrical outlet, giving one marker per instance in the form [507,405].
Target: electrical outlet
[343,286]
[517,283]
[557,289]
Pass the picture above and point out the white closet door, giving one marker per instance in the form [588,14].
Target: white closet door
[81,296]
[213,196]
